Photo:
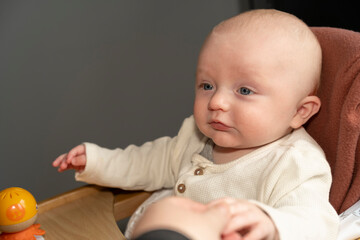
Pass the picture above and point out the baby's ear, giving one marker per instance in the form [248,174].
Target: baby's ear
[309,106]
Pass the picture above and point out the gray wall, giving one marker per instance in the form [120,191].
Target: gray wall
[109,72]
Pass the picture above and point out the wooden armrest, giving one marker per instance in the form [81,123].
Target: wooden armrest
[88,212]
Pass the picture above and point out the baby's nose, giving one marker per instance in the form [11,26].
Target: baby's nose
[219,101]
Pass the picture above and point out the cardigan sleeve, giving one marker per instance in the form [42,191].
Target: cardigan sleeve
[145,167]
[151,166]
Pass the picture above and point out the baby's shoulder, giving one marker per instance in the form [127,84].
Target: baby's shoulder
[301,149]
[300,141]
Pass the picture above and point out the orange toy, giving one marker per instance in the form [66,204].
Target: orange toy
[18,212]
[25,234]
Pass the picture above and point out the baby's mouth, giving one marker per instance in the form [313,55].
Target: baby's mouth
[219,126]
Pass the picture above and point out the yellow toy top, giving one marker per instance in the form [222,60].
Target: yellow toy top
[16,206]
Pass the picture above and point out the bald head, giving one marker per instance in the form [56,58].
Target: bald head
[285,33]
[261,19]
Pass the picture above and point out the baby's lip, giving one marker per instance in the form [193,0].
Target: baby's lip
[217,125]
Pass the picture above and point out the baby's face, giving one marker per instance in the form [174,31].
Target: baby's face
[246,90]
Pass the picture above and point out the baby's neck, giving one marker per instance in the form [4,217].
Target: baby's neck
[224,155]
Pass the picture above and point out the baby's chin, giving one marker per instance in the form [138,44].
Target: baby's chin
[225,144]
[228,144]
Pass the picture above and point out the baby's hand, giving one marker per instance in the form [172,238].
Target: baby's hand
[247,222]
[75,159]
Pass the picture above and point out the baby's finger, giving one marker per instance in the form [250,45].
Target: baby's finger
[63,166]
[79,161]
[240,207]
[244,220]
[58,160]
[236,224]
[78,150]
[232,236]
[257,233]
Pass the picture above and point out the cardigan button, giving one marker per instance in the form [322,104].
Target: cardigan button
[199,171]
[181,188]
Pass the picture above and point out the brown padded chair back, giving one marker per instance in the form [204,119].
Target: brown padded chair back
[337,125]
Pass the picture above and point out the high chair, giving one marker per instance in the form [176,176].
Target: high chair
[90,212]
[337,125]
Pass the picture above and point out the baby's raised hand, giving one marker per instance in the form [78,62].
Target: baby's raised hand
[247,222]
[74,159]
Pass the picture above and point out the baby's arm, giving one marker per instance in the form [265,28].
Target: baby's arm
[74,159]
[151,166]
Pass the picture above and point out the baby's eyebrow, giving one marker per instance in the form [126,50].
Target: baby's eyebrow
[201,70]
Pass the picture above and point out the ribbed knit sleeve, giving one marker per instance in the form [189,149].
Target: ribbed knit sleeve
[153,165]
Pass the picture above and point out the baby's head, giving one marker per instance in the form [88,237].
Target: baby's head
[256,78]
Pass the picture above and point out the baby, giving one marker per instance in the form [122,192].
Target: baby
[256,81]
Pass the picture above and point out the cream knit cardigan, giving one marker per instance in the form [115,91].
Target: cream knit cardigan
[289,179]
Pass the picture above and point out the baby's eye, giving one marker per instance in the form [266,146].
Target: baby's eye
[207,86]
[245,91]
